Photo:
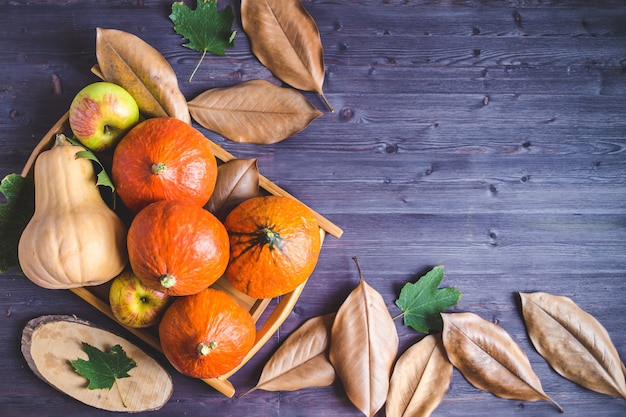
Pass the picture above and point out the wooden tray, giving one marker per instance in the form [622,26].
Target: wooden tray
[98,296]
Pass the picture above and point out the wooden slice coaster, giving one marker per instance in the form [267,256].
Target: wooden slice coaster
[50,343]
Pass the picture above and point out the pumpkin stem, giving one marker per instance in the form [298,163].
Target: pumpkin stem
[272,238]
[158,168]
[204,349]
[168,281]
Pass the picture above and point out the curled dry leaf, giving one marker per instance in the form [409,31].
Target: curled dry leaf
[574,343]
[302,360]
[490,359]
[420,379]
[363,347]
[254,111]
[285,38]
[130,62]
[237,180]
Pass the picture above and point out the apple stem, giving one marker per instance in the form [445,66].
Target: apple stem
[158,168]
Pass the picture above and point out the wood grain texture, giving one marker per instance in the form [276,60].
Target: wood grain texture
[51,344]
[483,135]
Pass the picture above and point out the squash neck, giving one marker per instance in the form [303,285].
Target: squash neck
[63,178]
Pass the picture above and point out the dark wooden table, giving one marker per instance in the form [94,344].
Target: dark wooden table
[485,136]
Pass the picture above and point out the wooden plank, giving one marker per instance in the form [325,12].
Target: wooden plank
[487,136]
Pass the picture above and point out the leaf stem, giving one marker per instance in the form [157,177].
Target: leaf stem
[327,103]
[117,386]
[358,267]
[198,65]
[398,316]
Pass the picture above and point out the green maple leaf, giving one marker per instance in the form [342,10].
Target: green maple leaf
[205,29]
[423,302]
[103,369]
[15,213]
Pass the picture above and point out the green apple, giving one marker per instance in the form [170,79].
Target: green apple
[133,304]
[101,114]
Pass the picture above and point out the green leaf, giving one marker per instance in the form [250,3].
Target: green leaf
[103,368]
[423,302]
[102,178]
[205,29]
[15,214]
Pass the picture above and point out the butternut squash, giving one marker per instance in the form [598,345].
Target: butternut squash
[73,239]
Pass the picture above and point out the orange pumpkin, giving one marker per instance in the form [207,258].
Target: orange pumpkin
[206,335]
[177,248]
[163,158]
[274,245]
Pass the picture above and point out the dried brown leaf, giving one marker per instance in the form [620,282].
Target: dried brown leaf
[285,38]
[363,347]
[420,379]
[302,360]
[490,359]
[237,180]
[130,62]
[574,343]
[254,111]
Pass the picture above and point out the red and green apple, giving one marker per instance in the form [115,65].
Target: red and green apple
[101,114]
[133,304]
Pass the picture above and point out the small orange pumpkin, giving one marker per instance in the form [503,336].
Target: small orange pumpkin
[163,158]
[207,334]
[177,248]
[274,245]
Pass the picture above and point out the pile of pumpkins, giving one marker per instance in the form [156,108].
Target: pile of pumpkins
[164,173]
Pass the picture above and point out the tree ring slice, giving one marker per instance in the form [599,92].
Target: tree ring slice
[50,342]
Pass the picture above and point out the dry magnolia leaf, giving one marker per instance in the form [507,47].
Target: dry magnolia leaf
[574,343]
[420,379]
[363,347]
[254,111]
[237,180]
[285,38]
[489,358]
[301,361]
[130,62]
